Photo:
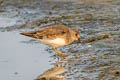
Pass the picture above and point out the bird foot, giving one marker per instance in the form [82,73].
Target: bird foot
[62,54]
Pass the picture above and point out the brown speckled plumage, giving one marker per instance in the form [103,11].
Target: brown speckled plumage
[60,34]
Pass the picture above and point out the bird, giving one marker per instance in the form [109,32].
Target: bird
[55,36]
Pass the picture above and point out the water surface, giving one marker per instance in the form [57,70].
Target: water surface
[21,61]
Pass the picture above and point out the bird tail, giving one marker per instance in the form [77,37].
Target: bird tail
[30,34]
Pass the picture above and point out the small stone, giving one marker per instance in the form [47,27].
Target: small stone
[89,46]
[15,73]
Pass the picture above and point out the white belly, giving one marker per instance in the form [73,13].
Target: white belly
[55,42]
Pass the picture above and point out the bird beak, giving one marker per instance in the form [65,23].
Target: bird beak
[79,41]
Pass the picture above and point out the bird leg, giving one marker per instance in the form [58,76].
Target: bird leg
[59,53]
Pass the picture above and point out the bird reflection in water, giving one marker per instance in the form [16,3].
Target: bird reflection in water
[54,73]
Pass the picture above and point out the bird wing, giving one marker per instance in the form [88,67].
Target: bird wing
[51,32]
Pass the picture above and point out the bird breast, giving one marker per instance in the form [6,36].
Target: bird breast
[57,42]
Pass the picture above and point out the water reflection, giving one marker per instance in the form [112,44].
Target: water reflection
[53,74]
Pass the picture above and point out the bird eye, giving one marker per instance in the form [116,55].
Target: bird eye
[75,34]
[63,32]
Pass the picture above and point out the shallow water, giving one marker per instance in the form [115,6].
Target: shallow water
[20,61]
